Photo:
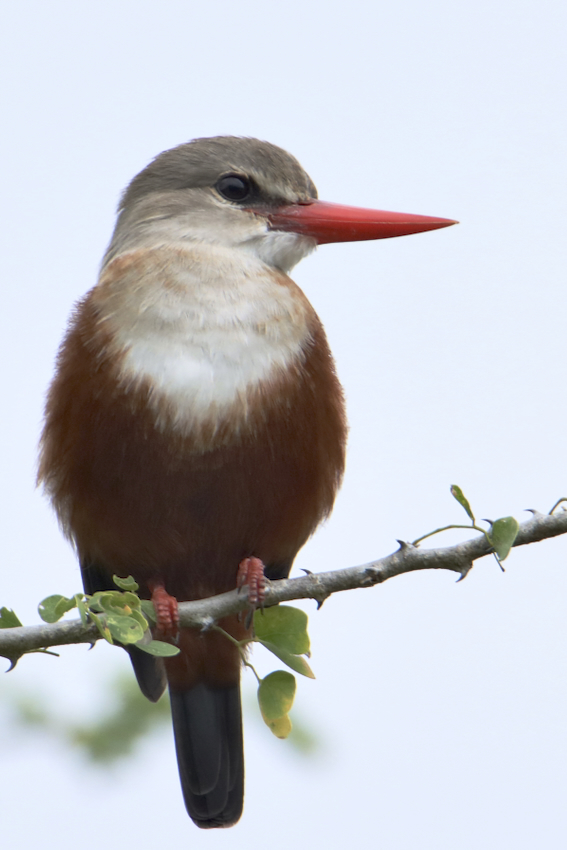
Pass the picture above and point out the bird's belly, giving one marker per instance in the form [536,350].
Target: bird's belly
[148,508]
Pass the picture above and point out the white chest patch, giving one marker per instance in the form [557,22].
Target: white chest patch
[202,325]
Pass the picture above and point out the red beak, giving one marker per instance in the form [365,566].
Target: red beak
[335,223]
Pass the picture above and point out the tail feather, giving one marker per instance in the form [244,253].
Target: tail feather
[150,673]
[207,724]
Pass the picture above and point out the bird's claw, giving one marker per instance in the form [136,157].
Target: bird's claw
[167,612]
[251,573]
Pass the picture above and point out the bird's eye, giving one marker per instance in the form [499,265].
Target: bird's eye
[234,187]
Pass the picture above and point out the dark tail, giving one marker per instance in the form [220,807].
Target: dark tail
[207,723]
[150,673]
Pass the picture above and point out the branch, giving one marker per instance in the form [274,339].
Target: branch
[202,613]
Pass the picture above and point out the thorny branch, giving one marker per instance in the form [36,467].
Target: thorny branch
[203,613]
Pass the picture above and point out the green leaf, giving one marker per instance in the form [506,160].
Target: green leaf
[124,629]
[8,620]
[131,599]
[296,662]
[111,601]
[103,629]
[275,695]
[458,494]
[93,602]
[139,617]
[116,602]
[281,727]
[149,611]
[82,608]
[283,626]
[52,608]
[159,648]
[502,534]
[125,583]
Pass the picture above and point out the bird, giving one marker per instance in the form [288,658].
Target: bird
[195,429]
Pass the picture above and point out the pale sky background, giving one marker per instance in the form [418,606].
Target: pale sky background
[441,708]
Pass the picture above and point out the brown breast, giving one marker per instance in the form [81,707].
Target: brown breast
[145,501]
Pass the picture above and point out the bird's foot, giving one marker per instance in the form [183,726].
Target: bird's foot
[167,611]
[251,572]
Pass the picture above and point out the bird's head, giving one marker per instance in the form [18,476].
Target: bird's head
[244,194]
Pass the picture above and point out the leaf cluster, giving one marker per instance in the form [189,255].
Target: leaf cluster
[282,630]
[501,534]
[119,615]
[123,618]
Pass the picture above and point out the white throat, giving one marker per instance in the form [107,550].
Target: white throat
[205,323]
[280,250]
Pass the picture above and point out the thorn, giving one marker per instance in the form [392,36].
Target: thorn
[404,545]
[465,571]
[491,522]
[320,600]
[307,572]
[534,511]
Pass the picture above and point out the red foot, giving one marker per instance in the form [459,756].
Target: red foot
[251,572]
[167,611]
